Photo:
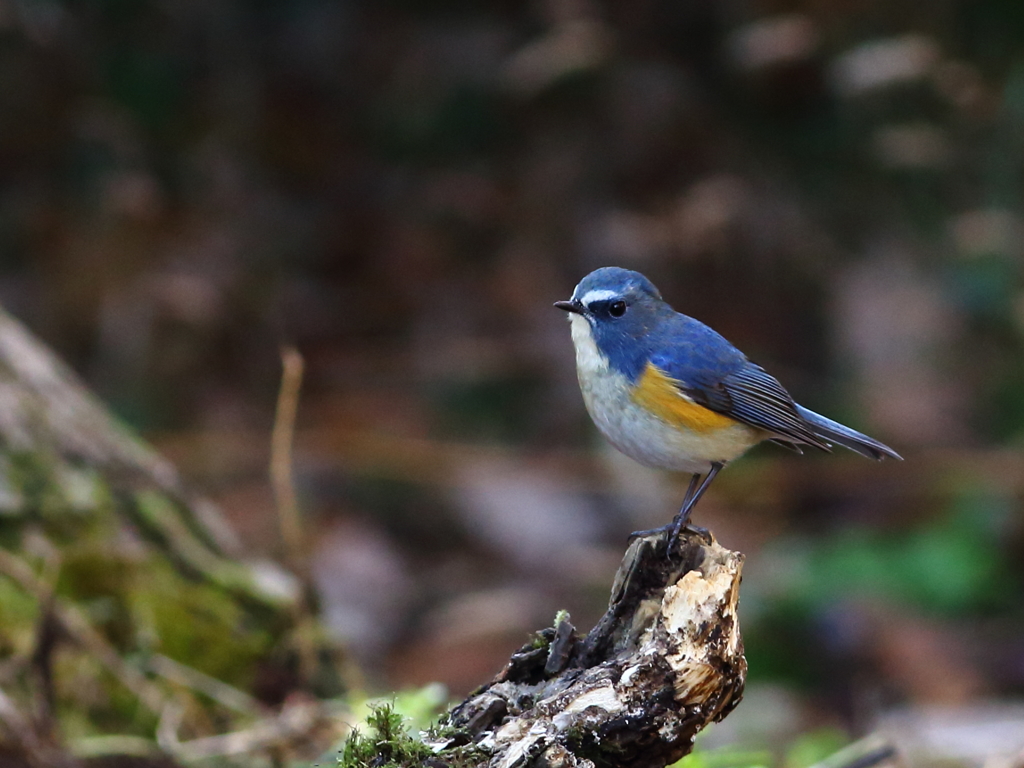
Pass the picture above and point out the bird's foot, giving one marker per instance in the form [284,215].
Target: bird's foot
[671,533]
[651,531]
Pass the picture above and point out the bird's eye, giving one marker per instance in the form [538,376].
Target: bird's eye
[617,308]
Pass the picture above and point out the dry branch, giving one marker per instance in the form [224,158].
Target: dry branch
[281,478]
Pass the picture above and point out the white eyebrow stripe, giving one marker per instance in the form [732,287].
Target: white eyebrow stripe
[597,295]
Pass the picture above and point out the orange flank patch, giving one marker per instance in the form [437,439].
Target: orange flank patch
[660,395]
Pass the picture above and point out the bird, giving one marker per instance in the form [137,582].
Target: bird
[671,393]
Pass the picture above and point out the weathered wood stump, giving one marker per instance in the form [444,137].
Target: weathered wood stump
[665,661]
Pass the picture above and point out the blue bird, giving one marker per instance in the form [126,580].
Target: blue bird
[671,393]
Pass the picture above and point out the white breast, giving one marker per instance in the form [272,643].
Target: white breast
[635,431]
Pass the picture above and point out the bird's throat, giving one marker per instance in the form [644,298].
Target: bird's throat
[588,357]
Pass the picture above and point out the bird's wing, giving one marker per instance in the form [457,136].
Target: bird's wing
[713,373]
[752,395]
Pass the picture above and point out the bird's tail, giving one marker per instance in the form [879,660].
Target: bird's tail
[834,432]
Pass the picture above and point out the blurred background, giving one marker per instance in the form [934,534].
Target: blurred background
[400,190]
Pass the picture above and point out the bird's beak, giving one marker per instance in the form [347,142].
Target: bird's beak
[570,306]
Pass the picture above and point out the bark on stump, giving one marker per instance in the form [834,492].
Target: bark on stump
[665,661]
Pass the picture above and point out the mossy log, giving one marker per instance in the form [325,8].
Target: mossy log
[665,661]
[125,603]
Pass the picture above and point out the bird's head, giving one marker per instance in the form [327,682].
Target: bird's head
[617,309]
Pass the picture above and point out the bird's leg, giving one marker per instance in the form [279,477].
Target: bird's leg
[689,502]
[690,490]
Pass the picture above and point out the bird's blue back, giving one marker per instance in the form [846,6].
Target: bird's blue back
[680,346]
[691,352]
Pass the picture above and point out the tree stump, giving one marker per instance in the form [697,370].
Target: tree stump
[665,661]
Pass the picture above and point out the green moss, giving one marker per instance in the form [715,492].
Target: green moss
[162,520]
[468,756]
[387,744]
[28,475]
[12,502]
[41,487]
[196,623]
[538,640]
[19,616]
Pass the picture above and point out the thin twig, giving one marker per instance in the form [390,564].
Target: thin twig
[294,722]
[46,635]
[114,745]
[218,690]
[167,729]
[18,725]
[282,437]
[282,480]
[868,752]
[871,759]
[36,749]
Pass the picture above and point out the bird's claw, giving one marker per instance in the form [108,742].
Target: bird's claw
[651,531]
[672,542]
